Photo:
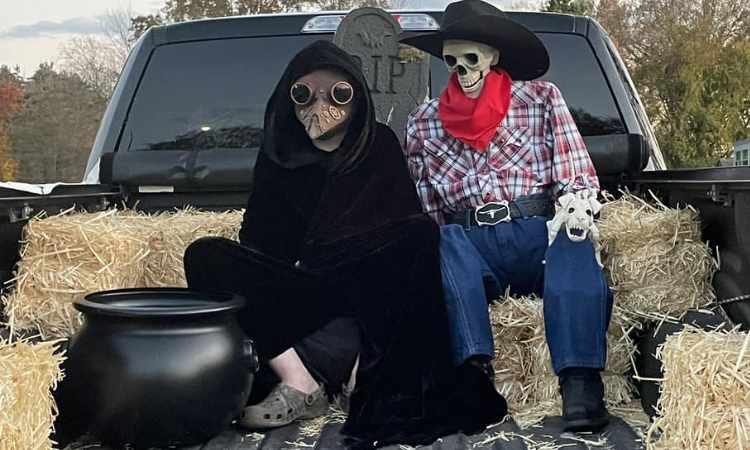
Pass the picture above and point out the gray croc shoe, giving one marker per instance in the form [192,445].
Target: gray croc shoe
[283,406]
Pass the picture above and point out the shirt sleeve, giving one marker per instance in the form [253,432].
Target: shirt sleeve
[415,160]
[572,169]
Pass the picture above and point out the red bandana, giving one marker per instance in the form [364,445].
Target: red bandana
[475,121]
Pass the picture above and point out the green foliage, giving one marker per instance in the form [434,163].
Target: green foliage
[690,63]
[579,7]
[140,24]
[702,104]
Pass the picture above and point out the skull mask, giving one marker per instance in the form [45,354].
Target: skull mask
[471,61]
[576,212]
[323,103]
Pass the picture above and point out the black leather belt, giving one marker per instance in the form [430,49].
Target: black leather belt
[493,213]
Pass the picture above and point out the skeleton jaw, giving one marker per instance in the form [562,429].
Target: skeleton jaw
[576,233]
[471,82]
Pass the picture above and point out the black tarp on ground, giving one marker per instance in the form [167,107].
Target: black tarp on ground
[617,436]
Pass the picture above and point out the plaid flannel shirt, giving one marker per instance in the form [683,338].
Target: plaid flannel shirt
[537,148]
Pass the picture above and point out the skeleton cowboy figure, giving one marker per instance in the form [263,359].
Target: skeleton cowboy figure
[491,158]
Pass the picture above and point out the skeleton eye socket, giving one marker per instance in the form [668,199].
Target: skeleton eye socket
[588,212]
[571,210]
[472,58]
[450,60]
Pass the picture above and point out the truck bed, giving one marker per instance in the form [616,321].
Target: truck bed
[506,436]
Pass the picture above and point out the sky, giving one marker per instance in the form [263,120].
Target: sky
[32,31]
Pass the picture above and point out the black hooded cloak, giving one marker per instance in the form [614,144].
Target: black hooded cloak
[342,235]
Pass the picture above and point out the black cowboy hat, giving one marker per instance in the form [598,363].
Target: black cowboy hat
[522,54]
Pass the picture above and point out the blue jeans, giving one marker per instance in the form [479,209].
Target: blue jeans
[479,263]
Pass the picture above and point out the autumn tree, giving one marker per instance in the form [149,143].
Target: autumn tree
[97,59]
[182,10]
[617,17]
[525,5]
[140,24]
[53,134]
[11,103]
[579,7]
[690,61]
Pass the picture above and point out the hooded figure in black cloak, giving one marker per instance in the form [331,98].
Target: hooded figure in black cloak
[334,235]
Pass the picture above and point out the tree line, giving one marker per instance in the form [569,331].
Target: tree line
[690,61]
[688,58]
[48,127]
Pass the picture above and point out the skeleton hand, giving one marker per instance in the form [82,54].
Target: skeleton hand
[576,212]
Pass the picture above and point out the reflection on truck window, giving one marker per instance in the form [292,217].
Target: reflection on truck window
[212,94]
[207,94]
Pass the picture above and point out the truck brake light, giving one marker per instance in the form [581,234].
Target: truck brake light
[408,21]
[322,24]
[417,22]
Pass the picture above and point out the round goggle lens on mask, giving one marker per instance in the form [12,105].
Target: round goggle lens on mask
[342,92]
[301,94]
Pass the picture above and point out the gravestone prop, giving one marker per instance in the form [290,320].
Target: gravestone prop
[398,75]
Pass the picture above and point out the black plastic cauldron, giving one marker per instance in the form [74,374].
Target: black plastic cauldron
[155,367]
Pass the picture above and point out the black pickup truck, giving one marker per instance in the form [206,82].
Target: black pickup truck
[185,121]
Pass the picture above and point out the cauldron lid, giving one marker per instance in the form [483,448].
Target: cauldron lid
[158,302]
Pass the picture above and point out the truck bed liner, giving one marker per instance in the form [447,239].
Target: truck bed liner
[617,436]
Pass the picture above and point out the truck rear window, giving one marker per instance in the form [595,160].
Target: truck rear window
[212,94]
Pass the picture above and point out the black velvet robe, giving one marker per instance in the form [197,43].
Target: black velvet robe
[343,235]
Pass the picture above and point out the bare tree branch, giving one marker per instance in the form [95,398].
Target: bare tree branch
[98,59]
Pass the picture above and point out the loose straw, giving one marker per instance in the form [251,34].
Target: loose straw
[705,394]
[28,374]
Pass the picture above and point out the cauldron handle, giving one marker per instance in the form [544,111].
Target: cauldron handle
[248,349]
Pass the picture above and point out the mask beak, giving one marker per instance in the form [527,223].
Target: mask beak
[322,119]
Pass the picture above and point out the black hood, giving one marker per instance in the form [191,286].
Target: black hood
[284,139]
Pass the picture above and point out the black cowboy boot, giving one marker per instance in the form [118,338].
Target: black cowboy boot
[483,363]
[583,400]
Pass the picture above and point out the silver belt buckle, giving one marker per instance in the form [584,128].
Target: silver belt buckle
[492,213]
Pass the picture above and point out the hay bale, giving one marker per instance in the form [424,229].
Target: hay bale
[28,374]
[173,232]
[69,255]
[705,393]
[654,257]
[523,367]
